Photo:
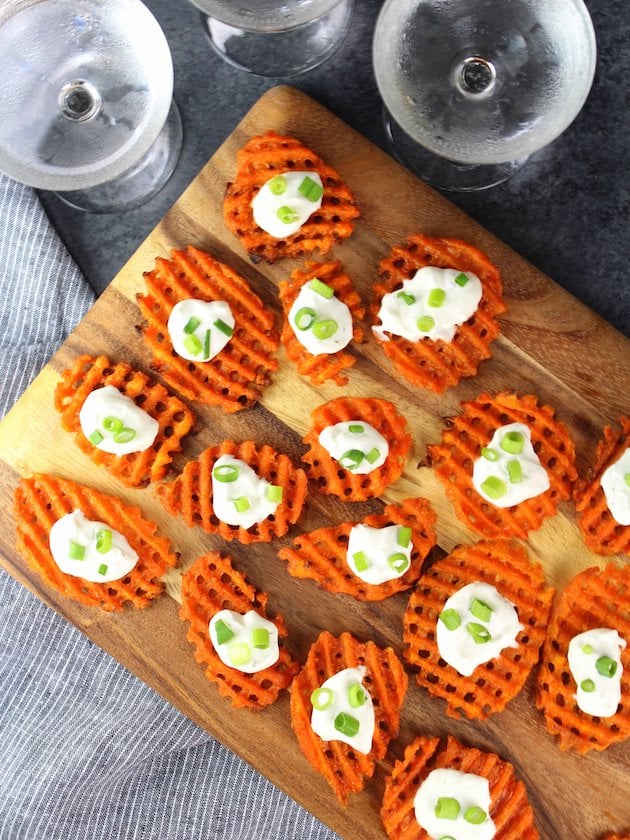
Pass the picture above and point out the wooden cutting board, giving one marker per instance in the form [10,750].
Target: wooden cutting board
[551,346]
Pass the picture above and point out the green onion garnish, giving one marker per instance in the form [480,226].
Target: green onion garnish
[356,428]
[103,540]
[226,329]
[515,472]
[206,345]
[606,666]
[356,695]
[113,424]
[223,632]
[409,299]
[239,653]
[461,279]
[360,561]
[193,345]
[125,435]
[494,487]
[588,686]
[102,569]
[96,437]
[346,724]
[587,649]
[191,325]
[513,442]
[273,493]
[242,504]
[398,562]
[260,638]
[489,454]
[403,536]
[475,815]
[450,619]
[446,808]
[436,298]
[425,323]
[321,288]
[278,185]
[321,698]
[479,633]
[626,478]
[226,473]
[325,329]
[481,610]
[310,189]
[287,215]
[373,455]
[76,551]
[305,318]
[351,459]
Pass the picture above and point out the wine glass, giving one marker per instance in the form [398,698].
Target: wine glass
[275,37]
[86,101]
[471,88]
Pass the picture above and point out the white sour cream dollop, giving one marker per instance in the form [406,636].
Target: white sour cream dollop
[244,500]
[239,643]
[376,555]
[192,327]
[318,315]
[597,694]
[494,466]
[365,449]
[466,646]
[75,534]
[114,423]
[268,206]
[431,304]
[470,791]
[323,721]
[617,489]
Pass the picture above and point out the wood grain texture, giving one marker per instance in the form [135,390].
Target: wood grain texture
[550,346]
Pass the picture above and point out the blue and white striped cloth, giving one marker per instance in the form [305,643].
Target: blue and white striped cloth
[87,751]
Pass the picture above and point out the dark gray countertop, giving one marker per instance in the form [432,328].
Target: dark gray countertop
[566,211]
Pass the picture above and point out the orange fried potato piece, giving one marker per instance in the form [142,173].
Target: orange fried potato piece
[461,444]
[330,476]
[439,364]
[322,367]
[602,534]
[212,584]
[272,154]
[509,807]
[43,499]
[321,555]
[505,565]
[594,598]
[175,418]
[190,495]
[235,377]
[343,767]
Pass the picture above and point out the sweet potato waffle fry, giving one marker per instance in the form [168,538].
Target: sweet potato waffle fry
[594,598]
[321,554]
[330,476]
[602,534]
[43,499]
[273,154]
[438,364]
[190,494]
[235,377]
[505,565]
[343,767]
[462,440]
[509,807]
[322,367]
[212,584]
[174,417]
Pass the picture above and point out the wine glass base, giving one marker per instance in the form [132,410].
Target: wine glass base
[444,174]
[139,183]
[285,53]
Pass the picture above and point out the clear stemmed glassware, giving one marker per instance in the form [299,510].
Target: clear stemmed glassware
[471,88]
[275,37]
[86,101]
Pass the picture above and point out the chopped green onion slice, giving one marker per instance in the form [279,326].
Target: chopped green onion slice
[626,478]
[461,279]
[436,298]
[399,562]
[242,504]
[346,724]
[305,318]
[102,569]
[489,454]
[447,837]
[360,561]
[587,649]
[446,808]
[96,437]
[125,435]
[76,551]
[113,424]
[513,442]
[273,493]
[494,487]
[321,288]
[226,329]
[425,323]
[403,536]
[223,632]
[310,189]
[191,325]
[409,299]
[193,345]
[481,610]
[515,471]
[321,698]
[475,815]
[450,618]
[260,638]
[226,473]
[278,185]
[606,666]
[287,215]
[356,695]
[479,633]
[325,329]
[373,455]
[103,540]
[356,428]
[587,685]
[351,459]
[206,345]
[239,653]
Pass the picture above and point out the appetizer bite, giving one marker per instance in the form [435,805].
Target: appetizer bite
[448,791]
[212,339]
[435,309]
[603,500]
[583,684]
[506,463]
[474,626]
[321,310]
[285,201]
[238,490]
[232,634]
[358,447]
[371,559]
[345,709]
[89,546]
[122,420]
